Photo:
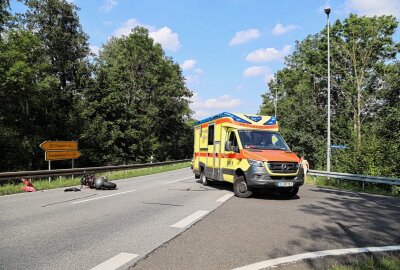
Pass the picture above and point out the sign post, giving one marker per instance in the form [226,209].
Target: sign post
[60,150]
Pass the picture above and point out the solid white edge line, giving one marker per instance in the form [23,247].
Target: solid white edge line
[97,198]
[314,255]
[190,219]
[115,261]
[179,180]
[225,198]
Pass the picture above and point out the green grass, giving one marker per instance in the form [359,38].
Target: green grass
[371,263]
[356,186]
[58,182]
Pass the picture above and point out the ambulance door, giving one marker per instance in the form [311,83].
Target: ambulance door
[210,170]
[231,157]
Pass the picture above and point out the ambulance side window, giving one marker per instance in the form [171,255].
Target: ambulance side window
[211,135]
[232,139]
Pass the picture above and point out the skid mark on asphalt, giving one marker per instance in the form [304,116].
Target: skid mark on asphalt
[69,200]
[168,204]
[115,261]
[314,255]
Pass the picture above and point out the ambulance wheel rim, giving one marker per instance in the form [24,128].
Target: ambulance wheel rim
[242,187]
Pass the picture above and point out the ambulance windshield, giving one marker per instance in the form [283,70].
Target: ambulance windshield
[260,139]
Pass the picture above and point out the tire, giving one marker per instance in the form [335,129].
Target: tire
[240,187]
[204,179]
[109,185]
[197,176]
[289,193]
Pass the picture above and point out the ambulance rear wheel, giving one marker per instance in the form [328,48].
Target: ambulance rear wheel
[204,179]
[240,187]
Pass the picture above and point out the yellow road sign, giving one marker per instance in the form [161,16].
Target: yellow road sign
[59,145]
[61,155]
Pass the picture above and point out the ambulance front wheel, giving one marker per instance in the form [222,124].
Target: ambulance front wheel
[204,179]
[240,187]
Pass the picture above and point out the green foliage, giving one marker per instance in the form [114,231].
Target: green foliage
[139,105]
[364,97]
[382,262]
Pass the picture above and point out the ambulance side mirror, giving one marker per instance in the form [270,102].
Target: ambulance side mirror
[228,146]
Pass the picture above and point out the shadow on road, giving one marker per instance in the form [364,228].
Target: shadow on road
[347,220]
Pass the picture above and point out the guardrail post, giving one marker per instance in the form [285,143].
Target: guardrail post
[363,185]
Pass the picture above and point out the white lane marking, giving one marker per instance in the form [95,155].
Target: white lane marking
[115,261]
[314,255]
[190,219]
[179,180]
[224,198]
[102,197]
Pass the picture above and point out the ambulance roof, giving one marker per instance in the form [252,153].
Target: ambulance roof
[248,119]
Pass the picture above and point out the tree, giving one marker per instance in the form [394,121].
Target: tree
[363,82]
[139,105]
[362,47]
[4,14]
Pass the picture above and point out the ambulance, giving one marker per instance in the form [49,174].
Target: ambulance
[246,150]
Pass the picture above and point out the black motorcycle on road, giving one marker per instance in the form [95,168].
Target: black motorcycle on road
[92,181]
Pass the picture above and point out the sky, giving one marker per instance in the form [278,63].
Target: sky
[228,49]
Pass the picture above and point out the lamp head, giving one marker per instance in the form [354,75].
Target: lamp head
[327,10]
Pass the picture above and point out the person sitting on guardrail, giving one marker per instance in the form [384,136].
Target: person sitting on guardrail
[305,165]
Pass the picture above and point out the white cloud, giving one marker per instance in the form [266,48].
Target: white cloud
[222,102]
[195,76]
[374,7]
[259,71]
[127,27]
[268,54]
[168,39]
[254,71]
[94,49]
[280,29]
[244,36]
[108,5]
[188,64]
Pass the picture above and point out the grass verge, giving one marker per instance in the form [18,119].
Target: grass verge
[373,188]
[58,182]
[372,262]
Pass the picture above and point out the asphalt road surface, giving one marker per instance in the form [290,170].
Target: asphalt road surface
[81,230]
[247,231]
[144,224]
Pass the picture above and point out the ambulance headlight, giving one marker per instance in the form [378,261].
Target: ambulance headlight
[255,163]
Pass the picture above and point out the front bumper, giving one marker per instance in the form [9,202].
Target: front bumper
[258,177]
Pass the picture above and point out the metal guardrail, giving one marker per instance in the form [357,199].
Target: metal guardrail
[80,171]
[357,177]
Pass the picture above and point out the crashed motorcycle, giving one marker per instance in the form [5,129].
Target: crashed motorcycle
[92,181]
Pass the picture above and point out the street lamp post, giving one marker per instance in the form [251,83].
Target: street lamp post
[328,151]
[276,100]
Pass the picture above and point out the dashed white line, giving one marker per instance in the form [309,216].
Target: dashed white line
[179,180]
[190,219]
[224,198]
[102,197]
[314,255]
[115,261]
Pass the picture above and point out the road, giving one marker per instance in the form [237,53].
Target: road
[144,224]
[245,231]
[81,230]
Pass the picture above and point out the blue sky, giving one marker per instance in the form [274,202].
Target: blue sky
[228,49]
